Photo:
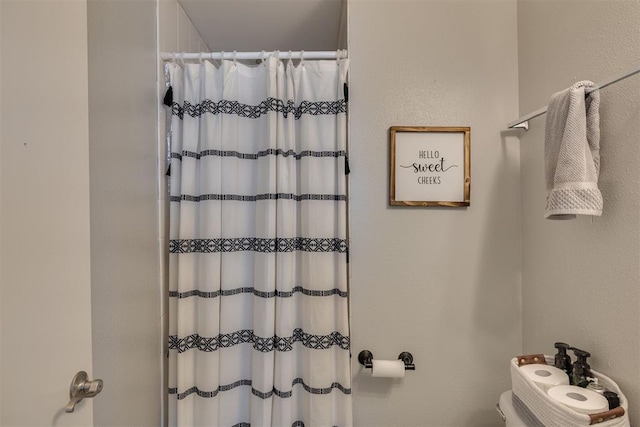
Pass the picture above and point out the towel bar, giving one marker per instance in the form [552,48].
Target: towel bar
[523,122]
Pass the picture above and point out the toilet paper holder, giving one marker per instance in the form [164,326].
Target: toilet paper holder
[365,357]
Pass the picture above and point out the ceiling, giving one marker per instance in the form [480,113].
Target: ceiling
[256,25]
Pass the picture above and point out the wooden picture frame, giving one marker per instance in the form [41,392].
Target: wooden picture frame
[430,166]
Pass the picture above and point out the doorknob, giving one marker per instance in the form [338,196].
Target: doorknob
[81,388]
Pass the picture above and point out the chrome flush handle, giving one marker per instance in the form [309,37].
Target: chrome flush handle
[82,388]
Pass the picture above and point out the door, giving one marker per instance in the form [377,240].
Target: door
[45,292]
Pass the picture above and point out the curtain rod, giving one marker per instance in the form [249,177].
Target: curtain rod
[523,122]
[334,54]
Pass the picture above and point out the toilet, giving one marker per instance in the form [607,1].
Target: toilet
[515,415]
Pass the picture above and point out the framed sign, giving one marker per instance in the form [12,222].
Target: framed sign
[430,166]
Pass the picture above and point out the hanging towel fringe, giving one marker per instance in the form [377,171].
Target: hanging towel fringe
[168,97]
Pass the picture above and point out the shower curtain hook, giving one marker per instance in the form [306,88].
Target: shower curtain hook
[235,58]
[200,58]
[221,57]
[263,57]
[290,58]
[302,58]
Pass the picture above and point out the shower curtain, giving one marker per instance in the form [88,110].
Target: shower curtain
[259,332]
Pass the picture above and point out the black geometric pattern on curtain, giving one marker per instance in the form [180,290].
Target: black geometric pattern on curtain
[259,154]
[258,197]
[261,294]
[260,394]
[318,342]
[255,111]
[278,244]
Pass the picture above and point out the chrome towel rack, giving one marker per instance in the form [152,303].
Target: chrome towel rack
[523,122]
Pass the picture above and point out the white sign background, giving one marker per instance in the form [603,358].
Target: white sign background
[415,152]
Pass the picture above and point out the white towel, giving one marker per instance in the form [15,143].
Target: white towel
[572,153]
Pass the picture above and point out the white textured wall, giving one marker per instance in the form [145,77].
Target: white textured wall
[177,33]
[125,257]
[441,283]
[580,277]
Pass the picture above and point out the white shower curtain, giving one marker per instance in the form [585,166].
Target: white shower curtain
[259,332]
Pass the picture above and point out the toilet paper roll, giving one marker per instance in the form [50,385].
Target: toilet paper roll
[545,376]
[387,368]
[579,399]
